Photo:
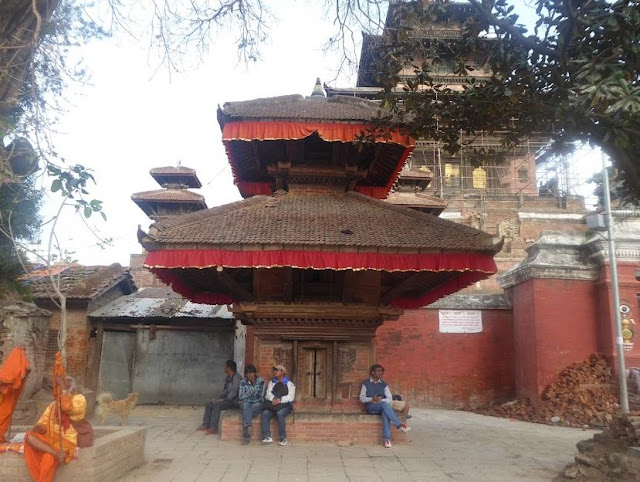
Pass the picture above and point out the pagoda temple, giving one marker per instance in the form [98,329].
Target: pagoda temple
[313,259]
[175,197]
[513,193]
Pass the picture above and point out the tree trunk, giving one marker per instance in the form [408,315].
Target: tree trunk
[20,29]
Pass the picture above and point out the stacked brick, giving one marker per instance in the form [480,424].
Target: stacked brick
[584,394]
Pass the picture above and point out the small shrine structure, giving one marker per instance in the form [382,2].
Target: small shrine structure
[175,197]
[313,259]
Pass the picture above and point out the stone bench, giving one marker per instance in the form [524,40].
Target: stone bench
[316,427]
[116,451]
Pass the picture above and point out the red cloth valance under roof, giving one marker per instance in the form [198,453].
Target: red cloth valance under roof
[168,265]
[330,132]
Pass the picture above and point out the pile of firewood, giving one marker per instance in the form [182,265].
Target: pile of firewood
[583,395]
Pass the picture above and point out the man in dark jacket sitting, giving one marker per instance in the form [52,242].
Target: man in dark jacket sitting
[377,399]
[228,399]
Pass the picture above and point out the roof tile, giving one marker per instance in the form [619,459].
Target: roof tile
[336,220]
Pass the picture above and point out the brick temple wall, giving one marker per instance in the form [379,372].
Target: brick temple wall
[142,277]
[78,340]
[554,326]
[432,369]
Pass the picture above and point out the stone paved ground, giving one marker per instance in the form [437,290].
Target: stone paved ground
[443,446]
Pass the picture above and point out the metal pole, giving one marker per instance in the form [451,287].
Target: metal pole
[615,293]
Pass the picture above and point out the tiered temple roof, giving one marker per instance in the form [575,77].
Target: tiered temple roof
[174,198]
[312,187]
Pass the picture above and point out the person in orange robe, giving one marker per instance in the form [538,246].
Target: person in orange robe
[53,440]
[13,377]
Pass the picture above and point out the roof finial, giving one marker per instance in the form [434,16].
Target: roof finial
[179,164]
[317,89]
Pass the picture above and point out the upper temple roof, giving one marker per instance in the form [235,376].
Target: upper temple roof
[287,107]
[176,175]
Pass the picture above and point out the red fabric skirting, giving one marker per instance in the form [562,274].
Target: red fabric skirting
[330,132]
[207,258]
[341,132]
[168,265]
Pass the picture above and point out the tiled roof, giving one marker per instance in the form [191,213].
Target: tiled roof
[316,220]
[174,195]
[172,170]
[159,303]
[78,281]
[337,108]
[415,199]
[415,175]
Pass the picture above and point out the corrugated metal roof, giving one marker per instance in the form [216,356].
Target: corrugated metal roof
[172,306]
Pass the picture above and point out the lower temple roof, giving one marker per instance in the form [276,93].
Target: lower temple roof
[425,256]
[335,221]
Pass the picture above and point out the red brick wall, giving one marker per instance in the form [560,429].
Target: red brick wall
[629,289]
[555,325]
[434,369]
[142,277]
[524,332]
[78,330]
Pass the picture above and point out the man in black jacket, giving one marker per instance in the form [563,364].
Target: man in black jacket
[228,399]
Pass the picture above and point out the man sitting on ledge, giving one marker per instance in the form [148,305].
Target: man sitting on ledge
[228,399]
[377,399]
[279,398]
[251,397]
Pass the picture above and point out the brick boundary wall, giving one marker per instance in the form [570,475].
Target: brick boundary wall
[117,450]
[448,370]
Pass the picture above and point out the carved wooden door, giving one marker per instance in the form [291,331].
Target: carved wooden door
[314,376]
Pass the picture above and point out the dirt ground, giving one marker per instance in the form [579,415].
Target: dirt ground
[443,446]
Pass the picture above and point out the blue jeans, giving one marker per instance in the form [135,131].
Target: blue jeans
[249,410]
[388,417]
[267,415]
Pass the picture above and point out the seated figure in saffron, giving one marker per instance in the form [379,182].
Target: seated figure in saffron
[53,440]
[13,377]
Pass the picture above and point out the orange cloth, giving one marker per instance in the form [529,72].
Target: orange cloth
[13,376]
[42,465]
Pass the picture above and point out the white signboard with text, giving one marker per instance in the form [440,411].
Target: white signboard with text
[460,321]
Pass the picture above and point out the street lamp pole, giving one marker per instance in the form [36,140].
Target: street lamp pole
[615,293]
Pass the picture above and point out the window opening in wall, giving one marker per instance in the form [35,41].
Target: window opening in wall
[451,174]
[523,174]
[479,178]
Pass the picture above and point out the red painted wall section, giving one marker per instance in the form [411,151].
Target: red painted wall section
[566,330]
[629,289]
[433,369]
[524,332]
[555,325]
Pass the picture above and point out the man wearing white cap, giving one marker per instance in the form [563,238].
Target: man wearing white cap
[279,402]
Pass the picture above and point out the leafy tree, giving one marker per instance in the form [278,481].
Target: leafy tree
[35,39]
[19,206]
[574,78]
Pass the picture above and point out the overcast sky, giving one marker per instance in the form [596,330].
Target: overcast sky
[130,120]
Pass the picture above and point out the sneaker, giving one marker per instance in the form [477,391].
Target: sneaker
[387,444]
[404,428]
[283,442]
[267,440]
[246,441]
[210,431]
[202,428]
